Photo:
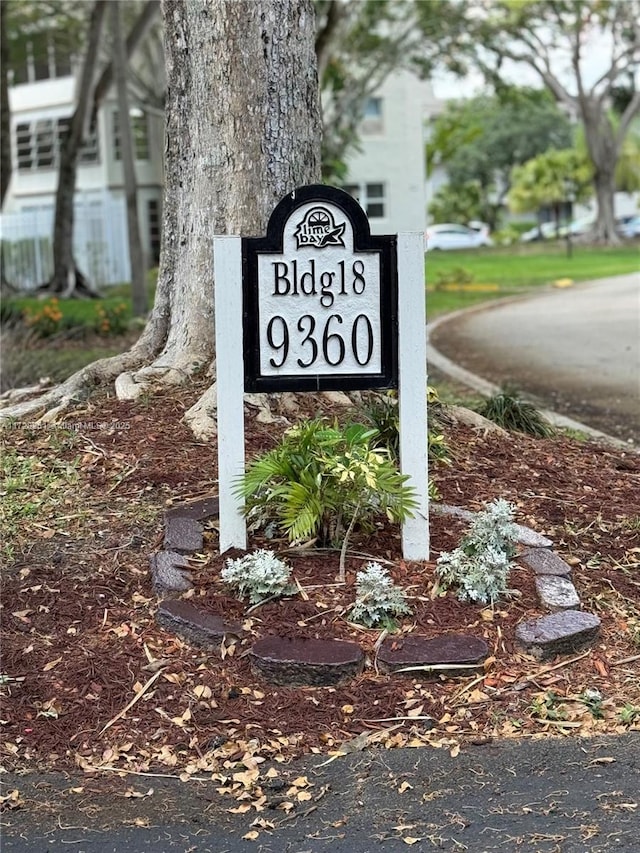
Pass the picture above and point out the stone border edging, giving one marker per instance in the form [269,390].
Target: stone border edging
[561,631]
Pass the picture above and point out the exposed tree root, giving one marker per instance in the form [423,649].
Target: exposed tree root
[77,285]
[79,385]
[201,417]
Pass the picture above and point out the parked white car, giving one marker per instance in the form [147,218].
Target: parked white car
[451,236]
[631,228]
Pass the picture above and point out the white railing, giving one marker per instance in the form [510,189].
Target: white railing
[100,242]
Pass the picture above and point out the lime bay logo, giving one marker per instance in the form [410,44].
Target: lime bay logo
[318,228]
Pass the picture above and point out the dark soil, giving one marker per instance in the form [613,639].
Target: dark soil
[80,640]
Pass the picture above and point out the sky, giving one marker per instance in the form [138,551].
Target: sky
[597,60]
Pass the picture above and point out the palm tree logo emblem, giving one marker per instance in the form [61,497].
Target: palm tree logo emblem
[318,228]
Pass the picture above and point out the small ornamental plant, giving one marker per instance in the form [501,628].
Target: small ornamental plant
[479,567]
[321,481]
[378,601]
[258,576]
[111,320]
[45,321]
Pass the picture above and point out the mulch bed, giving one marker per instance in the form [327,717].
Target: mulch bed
[80,639]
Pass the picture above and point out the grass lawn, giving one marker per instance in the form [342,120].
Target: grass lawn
[515,269]
[486,274]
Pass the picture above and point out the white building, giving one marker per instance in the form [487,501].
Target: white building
[41,104]
[387,175]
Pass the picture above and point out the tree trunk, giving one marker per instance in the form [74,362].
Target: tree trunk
[138,285]
[604,153]
[5,116]
[5,134]
[133,40]
[243,129]
[66,276]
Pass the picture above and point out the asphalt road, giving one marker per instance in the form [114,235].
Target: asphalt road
[554,795]
[577,350]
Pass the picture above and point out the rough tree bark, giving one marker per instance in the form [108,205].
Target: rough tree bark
[243,129]
[136,259]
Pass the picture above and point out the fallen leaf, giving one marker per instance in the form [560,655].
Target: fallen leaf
[405,787]
[409,839]
[252,835]
[12,800]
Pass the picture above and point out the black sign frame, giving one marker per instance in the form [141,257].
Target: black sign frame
[385,246]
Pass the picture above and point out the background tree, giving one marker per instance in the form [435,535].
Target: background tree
[479,141]
[549,180]
[243,129]
[5,113]
[69,28]
[138,282]
[461,202]
[555,39]
[27,43]
[67,278]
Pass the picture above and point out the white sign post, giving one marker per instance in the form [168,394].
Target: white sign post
[412,390]
[227,267]
[320,304]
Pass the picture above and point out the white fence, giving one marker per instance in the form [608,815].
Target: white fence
[100,242]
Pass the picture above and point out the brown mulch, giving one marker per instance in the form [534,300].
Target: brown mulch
[80,640]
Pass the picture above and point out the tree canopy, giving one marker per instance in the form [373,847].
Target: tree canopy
[549,180]
[585,52]
[479,141]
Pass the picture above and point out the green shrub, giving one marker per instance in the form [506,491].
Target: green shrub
[378,600]
[510,411]
[44,320]
[112,319]
[382,412]
[321,480]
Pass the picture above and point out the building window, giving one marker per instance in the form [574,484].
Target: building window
[373,108]
[371,198]
[38,144]
[372,116]
[139,131]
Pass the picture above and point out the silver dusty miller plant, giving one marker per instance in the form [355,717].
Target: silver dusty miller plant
[378,600]
[479,566]
[258,576]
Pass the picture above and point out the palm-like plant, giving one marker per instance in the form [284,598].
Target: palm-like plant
[321,480]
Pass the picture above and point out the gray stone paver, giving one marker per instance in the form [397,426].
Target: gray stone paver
[563,632]
[543,561]
[556,593]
